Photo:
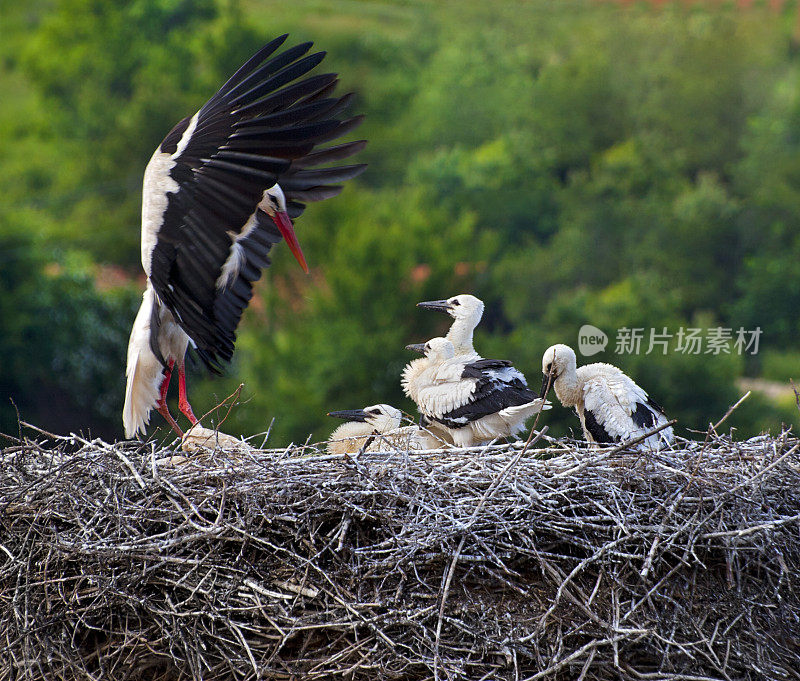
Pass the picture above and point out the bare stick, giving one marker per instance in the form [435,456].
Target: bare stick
[730,411]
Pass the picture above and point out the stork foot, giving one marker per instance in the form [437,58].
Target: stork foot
[183,400]
[186,408]
[164,411]
[161,405]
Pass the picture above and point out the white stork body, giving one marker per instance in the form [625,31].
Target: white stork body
[610,405]
[377,429]
[466,311]
[221,189]
[473,401]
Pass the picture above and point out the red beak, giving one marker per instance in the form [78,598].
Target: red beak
[284,224]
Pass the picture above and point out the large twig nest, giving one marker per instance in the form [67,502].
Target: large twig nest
[564,563]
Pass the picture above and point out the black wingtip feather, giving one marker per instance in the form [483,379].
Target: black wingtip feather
[315,194]
[345,127]
[283,77]
[324,92]
[305,179]
[337,107]
[288,95]
[298,113]
[329,154]
[269,68]
[254,61]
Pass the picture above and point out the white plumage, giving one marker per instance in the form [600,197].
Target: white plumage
[609,404]
[470,400]
[147,380]
[378,429]
[466,311]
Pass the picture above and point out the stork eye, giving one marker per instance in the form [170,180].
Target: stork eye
[455,302]
[549,367]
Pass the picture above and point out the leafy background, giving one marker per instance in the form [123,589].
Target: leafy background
[619,164]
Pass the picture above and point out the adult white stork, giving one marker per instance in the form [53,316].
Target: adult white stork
[220,190]
[378,429]
[610,405]
[466,311]
[473,401]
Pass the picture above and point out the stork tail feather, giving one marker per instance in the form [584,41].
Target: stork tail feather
[144,371]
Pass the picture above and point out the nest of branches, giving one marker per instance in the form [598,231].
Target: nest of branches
[558,562]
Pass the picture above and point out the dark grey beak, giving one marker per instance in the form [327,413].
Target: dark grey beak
[349,414]
[438,305]
[417,347]
[547,383]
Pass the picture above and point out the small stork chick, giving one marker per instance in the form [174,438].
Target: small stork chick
[466,311]
[198,438]
[610,405]
[377,429]
[472,401]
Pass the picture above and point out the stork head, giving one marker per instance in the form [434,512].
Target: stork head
[274,205]
[464,306]
[557,360]
[382,417]
[438,349]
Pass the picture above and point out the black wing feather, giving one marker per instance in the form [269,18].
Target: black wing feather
[248,67]
[644,416]
[338,152]
[478,369]
[266,69]
[491,394]
[597,431]
[251,102]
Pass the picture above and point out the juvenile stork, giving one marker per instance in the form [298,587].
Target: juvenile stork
[610,405]
[377,429]
[466,311]
[220,190]
[472,401]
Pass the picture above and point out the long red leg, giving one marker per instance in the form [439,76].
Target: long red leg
[162,400]
[183,400]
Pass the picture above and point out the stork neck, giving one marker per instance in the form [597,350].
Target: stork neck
[567,389]
[460,335]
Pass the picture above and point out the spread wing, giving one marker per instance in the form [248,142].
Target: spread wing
[208,237]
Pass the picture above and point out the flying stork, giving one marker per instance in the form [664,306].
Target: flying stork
[466,311]
[610,405]
[220,190]
[378,429]
[472,401]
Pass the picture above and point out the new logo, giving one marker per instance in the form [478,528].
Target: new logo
[591,340]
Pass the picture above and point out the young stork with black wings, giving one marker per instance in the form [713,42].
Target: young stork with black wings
[472,401]
[610,405]
[219,191]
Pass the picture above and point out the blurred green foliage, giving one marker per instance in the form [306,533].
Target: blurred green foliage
[570,163]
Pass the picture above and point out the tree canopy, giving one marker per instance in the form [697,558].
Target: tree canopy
[570,163]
